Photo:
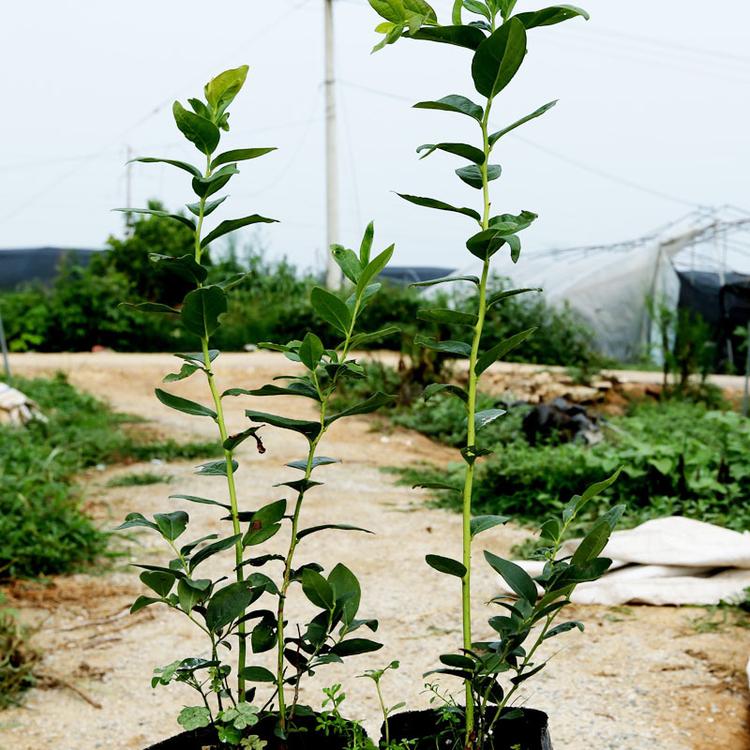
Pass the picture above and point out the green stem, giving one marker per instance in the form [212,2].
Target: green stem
[324,396]
[471,430]
[228,457]
[385,713]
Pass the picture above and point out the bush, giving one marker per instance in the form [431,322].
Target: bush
[80,310]
[677,458]
[42,527]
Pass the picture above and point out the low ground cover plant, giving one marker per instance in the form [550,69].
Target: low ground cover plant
[43,528]
[239,701]
[678,458]
[492,672]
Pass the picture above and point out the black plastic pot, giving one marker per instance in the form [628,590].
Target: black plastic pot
[526,732]
[305,738]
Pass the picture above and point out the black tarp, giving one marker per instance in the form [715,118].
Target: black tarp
[39,264]
[725,307]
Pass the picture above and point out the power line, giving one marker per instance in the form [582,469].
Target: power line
[551,152]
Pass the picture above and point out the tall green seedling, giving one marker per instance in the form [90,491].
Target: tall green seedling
[223,611]
[495,37]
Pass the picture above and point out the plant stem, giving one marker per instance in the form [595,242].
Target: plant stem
[228,457]
[324,396]
[471,430]
[385,713]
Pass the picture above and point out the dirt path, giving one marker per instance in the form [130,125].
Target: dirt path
[637,678]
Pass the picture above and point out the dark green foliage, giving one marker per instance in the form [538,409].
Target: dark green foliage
[43,528]
[678,458]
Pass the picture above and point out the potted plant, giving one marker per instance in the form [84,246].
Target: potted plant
[240,702]
[495,37]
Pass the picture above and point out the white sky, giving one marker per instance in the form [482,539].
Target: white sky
[653,93]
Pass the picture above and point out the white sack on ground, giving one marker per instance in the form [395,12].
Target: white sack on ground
[667,561]
[16,408]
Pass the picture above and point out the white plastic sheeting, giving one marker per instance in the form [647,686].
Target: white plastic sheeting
[667,561]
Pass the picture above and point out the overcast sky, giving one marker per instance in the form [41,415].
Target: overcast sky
[652,120]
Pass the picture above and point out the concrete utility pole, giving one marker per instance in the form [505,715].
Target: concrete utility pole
[334,277]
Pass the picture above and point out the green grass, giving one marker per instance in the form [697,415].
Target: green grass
[140,479]
[42,526]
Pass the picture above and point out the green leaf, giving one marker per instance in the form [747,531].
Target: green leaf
[295,388]
[135,520]
[198,130]
[440,206]
[228,604]
[194,717]
[563,628]
[185,372]
[142,602]
[459,348]
[323,527]
[365,338]
[173,162]
[309,429]
[369,405]
[211,549]
[311,351]
[221,90]
[201,310]
[552,15]
[515,576]
[365,246]
[254,537]
[331,309]
[472,175]
[500,350]
[498,297]
[238,438]
[189,223]
[447,280]
[215,468]
[447,316]
[184,405]
[462,36]
[454,103]
[150,307]
[173,524]
[355,646]
[317,461]
[483,418]
[498,58]
[184,267]
[484,523]
[190,593]
[495,137]
[200,500]
[240,154]
[205,186]
[435,388]
[446,565]
[317,589]
[372,269]
[347,592]
[596,540]
[258,674]
[486,243]
[347,261]
[437,486]
[233,224]
[208,208]
[459,661]
[158,581]
[474,6]
[463,150]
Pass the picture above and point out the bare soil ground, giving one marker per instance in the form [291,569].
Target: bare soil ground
[637,678]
